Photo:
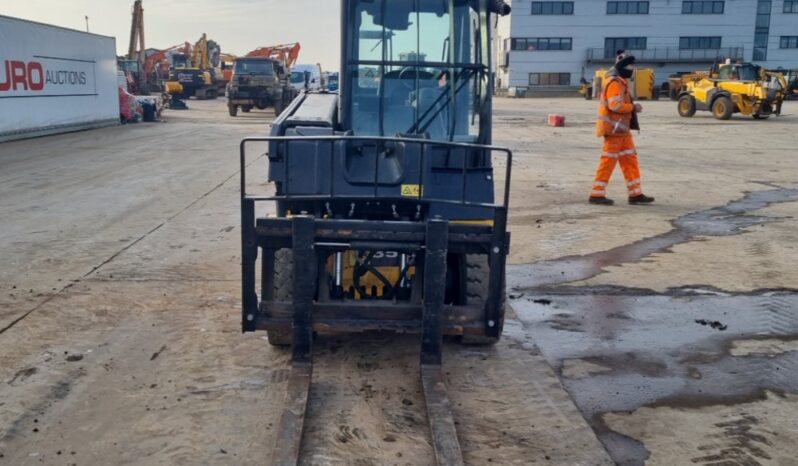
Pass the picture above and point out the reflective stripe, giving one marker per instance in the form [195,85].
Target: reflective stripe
[635,192]
[597,193]
[615,155]
[615,123]
[600,183]
[616,106]
[633,182]
[616,98]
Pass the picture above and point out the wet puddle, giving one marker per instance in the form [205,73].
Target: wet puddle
[618,353]
[730,219]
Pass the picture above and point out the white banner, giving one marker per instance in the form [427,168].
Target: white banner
[54,79]
[48,77]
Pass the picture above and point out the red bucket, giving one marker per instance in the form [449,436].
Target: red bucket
[556,120]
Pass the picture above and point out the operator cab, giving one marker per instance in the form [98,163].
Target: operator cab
[417,69]
[739,72]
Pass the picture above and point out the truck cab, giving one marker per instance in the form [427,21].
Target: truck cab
[258,82]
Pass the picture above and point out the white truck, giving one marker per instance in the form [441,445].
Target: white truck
[313,78]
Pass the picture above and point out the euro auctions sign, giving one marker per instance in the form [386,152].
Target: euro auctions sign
[46,76]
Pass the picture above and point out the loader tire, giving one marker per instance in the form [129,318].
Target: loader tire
[477,279]
[686,106]
[283,292]
[722,108]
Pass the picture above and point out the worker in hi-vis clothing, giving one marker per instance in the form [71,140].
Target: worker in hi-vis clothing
[616,119]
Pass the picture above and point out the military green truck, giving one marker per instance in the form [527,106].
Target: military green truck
[258,82]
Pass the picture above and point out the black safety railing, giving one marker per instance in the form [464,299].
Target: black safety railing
[420,196]
[669,54]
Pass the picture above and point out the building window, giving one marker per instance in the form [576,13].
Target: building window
[789,42]
[694,43]
[613,44]
[791,6]
[762,30]
[552,8]
[549,79]
[533,44]
[702,7]
[627,8]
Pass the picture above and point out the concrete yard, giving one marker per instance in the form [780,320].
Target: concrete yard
[663,334]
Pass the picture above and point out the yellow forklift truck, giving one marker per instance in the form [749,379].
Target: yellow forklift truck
[735,88]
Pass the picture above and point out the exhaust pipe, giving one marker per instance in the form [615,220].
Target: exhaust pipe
[500,7]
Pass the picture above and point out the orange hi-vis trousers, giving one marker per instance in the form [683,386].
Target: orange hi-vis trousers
[618,149]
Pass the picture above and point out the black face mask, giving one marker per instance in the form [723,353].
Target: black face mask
[625,73]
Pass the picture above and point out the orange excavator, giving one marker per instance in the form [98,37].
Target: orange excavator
[157,65]
[285,53]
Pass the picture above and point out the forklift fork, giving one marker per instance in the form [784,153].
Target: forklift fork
[288,441]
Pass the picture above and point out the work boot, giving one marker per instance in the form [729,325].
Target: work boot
[601,200]
[640,199]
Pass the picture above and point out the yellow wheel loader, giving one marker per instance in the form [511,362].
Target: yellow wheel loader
[735,88]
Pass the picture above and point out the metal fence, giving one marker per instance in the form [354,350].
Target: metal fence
[669,54]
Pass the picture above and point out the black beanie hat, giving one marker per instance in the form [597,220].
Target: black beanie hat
[624,59]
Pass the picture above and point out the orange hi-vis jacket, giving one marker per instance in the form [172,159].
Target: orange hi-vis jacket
[615,108]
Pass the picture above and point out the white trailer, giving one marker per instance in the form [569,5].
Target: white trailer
[54,80]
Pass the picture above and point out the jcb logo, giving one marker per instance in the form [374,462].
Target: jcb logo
[22,76]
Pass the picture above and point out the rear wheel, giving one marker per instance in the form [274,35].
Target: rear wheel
[722,108]
[232,109]
[477,280]
[686,106]
[283,292]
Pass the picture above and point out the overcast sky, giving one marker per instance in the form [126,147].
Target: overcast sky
[237,25]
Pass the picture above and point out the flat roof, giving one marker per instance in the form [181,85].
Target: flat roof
[57,27]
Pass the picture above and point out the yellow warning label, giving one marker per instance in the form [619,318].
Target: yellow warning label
[411,190]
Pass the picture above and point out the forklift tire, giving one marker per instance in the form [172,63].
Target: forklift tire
[233,109]
[283,292]
[686,106]
[477,279]
[722,108]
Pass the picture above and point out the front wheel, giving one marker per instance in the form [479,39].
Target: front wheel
[686,106]
[232,109]
[722,108]
[477,278]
